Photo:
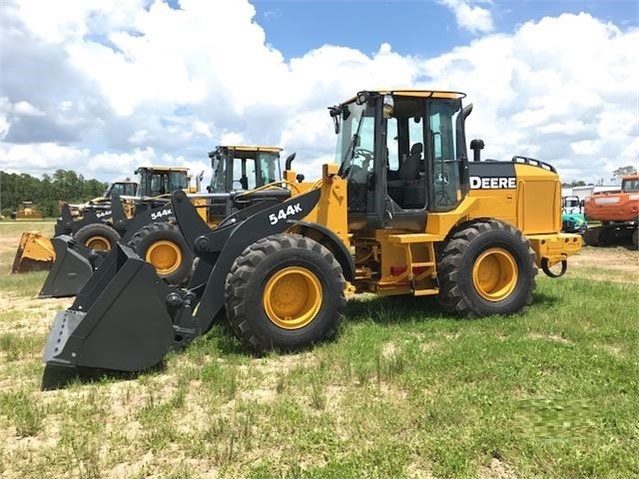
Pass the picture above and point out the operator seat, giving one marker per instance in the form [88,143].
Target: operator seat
[409,169]
[414,182]
[407,190]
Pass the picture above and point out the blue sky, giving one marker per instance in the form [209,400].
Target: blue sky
[412,27]
[104,87]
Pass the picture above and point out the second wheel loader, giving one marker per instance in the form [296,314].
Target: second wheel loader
[152,231]
[402,212]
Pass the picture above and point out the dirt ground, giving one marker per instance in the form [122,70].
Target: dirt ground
[619,264]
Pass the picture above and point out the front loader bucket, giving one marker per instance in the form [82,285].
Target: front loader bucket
[119,320]
[71,269]
[35,253]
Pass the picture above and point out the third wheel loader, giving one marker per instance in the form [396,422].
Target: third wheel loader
[402,212]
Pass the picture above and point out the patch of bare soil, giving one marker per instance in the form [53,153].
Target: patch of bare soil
[9,242]
[617,264]
[37,314]
[497,470]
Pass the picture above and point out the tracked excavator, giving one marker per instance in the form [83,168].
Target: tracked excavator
[402,212]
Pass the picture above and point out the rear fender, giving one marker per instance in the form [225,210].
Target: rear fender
[88,218]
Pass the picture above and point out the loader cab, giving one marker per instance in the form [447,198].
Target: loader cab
[241,168]
[403,154]
[121,188]
[158,181]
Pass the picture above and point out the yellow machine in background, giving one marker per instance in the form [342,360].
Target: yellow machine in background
[242,176]
[35,253]
[117,188]
[92,224]
[401,212]
[27,211]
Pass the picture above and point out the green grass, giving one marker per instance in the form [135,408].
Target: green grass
[403,391]
[16,228]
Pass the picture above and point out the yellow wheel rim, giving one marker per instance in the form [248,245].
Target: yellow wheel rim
[292,297]
[99,243]
[165,256]
[495,274]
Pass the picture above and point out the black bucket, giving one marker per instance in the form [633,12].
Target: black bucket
[70,271]
[119,320]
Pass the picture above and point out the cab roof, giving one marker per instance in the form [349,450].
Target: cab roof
[453,95]
[269,149]
[163,168]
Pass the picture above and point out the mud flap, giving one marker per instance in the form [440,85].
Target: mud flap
[35,253]
[71,269]
[119,320]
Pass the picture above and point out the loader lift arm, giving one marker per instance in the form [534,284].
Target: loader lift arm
[127,319]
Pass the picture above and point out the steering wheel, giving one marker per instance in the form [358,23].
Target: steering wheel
[367,154]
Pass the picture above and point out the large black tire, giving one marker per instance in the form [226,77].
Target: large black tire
[605,235]
[591,236]
[284,292]
[486,268]
[97,236]
[163,245]
[635,239]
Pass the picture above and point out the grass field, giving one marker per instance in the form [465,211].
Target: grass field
[404,391]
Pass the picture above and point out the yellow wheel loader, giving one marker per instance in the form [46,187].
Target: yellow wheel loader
[115,190]
[151,230]
[402,212]
[101,222]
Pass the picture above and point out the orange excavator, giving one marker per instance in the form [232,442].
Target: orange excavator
[617,212]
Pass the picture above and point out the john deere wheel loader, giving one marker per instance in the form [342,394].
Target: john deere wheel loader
[115,190]
[152,231]
[72,254]
[403,212]
[102,221]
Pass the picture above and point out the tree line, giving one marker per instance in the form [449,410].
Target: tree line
[46,193]
[617,175]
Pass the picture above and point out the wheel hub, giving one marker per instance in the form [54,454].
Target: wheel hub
[495,274]
[292,297]
[98,243]
[165,256]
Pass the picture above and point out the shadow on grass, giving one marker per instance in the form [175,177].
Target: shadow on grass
[60,377]
[394,309]
[543,299]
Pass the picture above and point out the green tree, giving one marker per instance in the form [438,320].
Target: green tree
[624,171]
[46,193]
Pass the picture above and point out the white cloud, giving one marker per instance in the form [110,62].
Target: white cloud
[98,87]
[470,17]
